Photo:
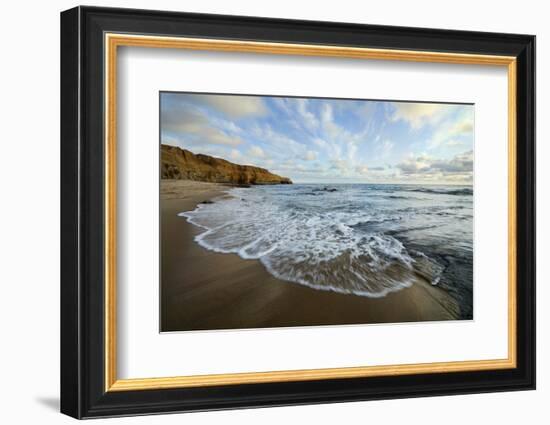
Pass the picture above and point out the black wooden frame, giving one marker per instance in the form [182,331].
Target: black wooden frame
[82,212]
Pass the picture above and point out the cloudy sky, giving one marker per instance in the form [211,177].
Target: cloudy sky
[326,140]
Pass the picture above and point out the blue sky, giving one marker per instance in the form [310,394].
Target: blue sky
[326,140]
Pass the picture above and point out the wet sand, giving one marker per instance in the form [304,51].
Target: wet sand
[201,289]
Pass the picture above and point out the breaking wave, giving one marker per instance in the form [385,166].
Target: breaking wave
[462,191]
[343,240]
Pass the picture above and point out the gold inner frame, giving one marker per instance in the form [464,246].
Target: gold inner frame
[113,41]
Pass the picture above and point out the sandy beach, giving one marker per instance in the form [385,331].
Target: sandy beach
[201,289]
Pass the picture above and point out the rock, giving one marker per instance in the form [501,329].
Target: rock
[326,189]
[181,164]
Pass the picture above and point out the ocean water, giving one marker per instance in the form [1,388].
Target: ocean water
[363,239]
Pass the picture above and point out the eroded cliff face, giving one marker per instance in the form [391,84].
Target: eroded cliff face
[181,164]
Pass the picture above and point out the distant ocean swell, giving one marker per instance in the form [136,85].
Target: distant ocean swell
[367,240]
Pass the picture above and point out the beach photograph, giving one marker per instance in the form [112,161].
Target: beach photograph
[302,211]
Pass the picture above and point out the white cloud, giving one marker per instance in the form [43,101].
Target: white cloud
[190,122]
[342,145]
[311,156]
[321,143]
[279,144]
[413,165]
[235,106]
[418,115]
[308,119]
[332,130]
[425,167]
[384,149]
[341,165]
[464,126]
[234,154]
[283,105]
[256,152]
[452,131]
[217,137]
[451,125]
[336,134]
[362,169]
[225,125]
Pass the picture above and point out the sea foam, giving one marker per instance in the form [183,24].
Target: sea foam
[342,239]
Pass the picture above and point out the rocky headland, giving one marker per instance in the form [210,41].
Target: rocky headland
[181,164]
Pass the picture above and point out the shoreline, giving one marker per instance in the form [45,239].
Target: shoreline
[205,290]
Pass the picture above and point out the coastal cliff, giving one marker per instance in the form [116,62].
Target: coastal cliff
[181,164]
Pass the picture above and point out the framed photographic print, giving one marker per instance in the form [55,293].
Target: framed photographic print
[261,212]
